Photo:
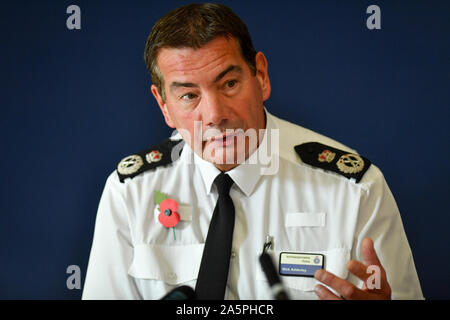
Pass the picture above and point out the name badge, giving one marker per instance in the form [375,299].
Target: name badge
[300,264]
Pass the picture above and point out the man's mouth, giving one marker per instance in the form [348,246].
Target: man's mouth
[223,139]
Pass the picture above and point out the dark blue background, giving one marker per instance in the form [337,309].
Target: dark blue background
[73,103]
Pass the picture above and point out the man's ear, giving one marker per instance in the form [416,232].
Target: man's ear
[162,106]
[262,75]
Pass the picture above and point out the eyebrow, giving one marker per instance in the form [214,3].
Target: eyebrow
[231,68]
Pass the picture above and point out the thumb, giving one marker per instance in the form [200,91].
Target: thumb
[368,253]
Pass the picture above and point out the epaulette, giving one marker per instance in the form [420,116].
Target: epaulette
[349,165]
[156,156]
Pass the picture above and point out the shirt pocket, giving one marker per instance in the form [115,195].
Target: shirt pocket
[172,264]
[335,262]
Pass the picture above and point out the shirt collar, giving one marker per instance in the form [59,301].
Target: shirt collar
[245,175]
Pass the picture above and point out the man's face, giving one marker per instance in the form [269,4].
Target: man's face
[214,87]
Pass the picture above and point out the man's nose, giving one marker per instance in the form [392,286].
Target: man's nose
[214,112]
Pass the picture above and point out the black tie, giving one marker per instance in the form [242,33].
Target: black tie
[213,273]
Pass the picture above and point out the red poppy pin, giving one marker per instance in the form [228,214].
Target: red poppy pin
[168,211]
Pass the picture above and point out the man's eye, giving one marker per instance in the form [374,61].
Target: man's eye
[231,83]
[188,96]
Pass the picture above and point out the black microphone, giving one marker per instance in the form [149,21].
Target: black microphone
[275,284]
[180,293]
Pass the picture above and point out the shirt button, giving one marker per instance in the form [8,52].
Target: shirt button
[233,254]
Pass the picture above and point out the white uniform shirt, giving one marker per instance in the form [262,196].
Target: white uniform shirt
[304,209]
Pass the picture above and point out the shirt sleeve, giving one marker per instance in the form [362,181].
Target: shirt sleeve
[112,249]
[379,219]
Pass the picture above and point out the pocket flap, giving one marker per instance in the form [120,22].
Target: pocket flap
[171,264]
[305,219]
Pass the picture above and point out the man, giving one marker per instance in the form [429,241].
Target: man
[199,208]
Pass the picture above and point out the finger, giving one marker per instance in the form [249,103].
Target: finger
[359,269]
[370,256]
[362,272]
[368,253]
[368,276]
[345,288]
[325,294]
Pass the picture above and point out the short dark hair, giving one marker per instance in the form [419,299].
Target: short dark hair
[193,26]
